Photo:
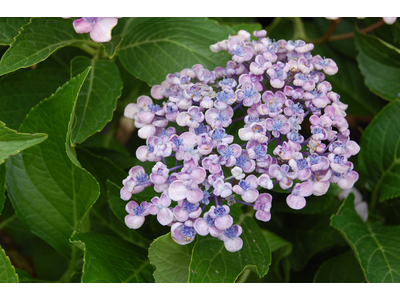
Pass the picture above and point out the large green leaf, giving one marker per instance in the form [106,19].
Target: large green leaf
[98,97]
[376,247]
[37,40]
[379,158]
[49,190]
[171,260]
[341,269]
[110,259]
[7,271]
[211,262]
[280,250]
[380,66]
[25,88]
[154,47]
[9,28]
[12,142]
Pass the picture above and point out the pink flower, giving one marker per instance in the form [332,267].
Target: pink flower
[99,28]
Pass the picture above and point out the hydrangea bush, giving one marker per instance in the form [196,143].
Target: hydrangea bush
[145,150]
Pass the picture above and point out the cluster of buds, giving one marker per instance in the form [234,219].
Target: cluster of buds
[235,132]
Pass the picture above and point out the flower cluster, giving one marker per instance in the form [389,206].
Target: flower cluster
[270,89]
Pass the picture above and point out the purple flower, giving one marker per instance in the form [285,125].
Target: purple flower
[344,181]
[318,163]
[220,214]
[185,210]
[160,208]
[247,94]
[247,189]
[159,174]
[231,239]
[278,125]
[99,28]
[301,166]
[225,98]
[256,131]
[192,118]
[282,175]
[278,74]
[299,46]
[221,188]
[320,181]
[229,153]
[307,82]
[263,206]
[206,225]
[327,65]
[212,164]
[265,181]
[243,161]
[284,151]
[135,183]
[296,199]
[240,53]
[179,190]
[136,212]
[219,118]
[183,233]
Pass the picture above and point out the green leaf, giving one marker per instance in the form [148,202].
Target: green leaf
[25,88]
[110,48]
[312,235]
[7,271]
[37,41]
[280,250]
[380,66]
[341,269]
[9,28]
[12,142]
[102,218]
[49,191]
[376,247]
[211,262]
[26,278]
[2,186]
[155,47]
[170,259]
[98,97]
[110,259]
[379,158]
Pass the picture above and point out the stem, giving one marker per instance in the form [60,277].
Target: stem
[85,47]
[245,203]
[350,35]
[67,276]
[299,31]
[176,167]
[238,119]
[327,35]
[244,276]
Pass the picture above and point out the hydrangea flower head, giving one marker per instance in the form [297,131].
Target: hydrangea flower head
[241,132]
